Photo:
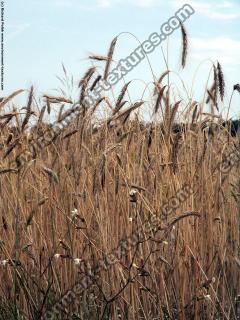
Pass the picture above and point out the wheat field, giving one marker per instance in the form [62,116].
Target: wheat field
[147,217]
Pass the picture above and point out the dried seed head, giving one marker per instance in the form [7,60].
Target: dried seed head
[184,45]
[97,57]
[87,76]
[119,104]
[109,57]
[221,82]
[28,113]
[237,87]
[159,99]
[95,82]
[159,82]
[51,174]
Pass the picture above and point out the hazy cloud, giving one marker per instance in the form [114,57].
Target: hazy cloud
[222,10]
[16,30]
[224,49]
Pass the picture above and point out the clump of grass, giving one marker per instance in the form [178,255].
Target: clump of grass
[93,189]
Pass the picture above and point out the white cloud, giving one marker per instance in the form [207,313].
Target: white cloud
[68,4]
[222,10]
[226,10]
[223,16]
[136,3]
[147,3]
[63,3]
[55,3]
[225,4]
[104,3]
[224,49]
[220,43]
[16,30]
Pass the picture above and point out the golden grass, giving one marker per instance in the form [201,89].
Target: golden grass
[65,207]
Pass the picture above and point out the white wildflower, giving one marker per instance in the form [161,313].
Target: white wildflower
[77,261]
[4,263]
[130,219]
[96,126]
[74,213]
[112,124]
[57,255]
[208,297]
[132,192]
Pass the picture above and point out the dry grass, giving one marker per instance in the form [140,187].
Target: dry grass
[117,176]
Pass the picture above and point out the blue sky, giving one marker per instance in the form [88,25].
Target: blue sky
[41,34]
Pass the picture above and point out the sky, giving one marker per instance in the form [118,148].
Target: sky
[40,35]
